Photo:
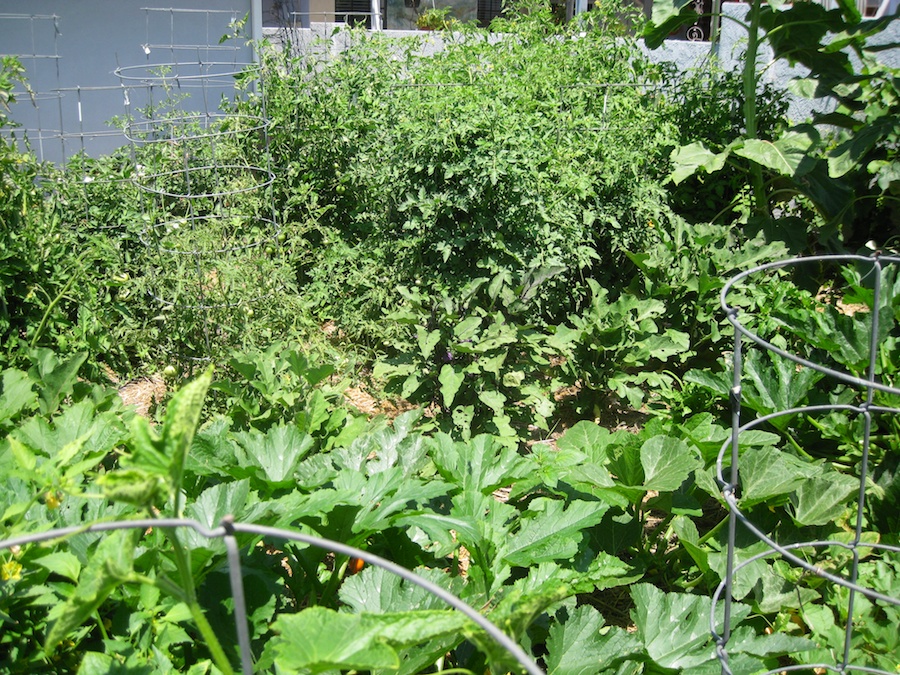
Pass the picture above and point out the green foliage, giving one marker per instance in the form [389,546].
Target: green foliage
[435,19]
[443,170]
[480,361]
[856,141]
[489,229]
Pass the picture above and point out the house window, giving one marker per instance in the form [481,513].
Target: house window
[356,12]
[487,10]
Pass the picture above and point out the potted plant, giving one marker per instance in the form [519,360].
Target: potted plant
[435,19]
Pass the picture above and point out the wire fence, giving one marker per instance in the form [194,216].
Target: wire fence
[227,531]
[805,554]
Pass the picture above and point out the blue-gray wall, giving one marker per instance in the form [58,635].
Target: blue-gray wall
[84,45]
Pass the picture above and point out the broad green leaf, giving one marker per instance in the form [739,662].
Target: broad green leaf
[659,347]
[315,414]
[577,647]
[427,341]
[551,531]
[24,457]
[708,435]
[774,593]
[766,473]
[689,538]
[451,380]
[493,399]
[744,640]
[584,436]
[147,454]
[57,379]
[277,451]
[16,394]
[789,155]
[718,382]
[674,627]
[776,384]
[466,329]
[80,422]
[439,534]
[62,563]
[218,501]
[846,338]
[821,499]
[667,463]
[625,464]
[668,16]
[377,591]
[108,567]
[847,156]
[384,496]
[214,451]
[320,639]
[745,581]
[481,464]
[688,159]
[95,663]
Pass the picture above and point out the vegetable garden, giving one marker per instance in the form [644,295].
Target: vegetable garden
[460,313]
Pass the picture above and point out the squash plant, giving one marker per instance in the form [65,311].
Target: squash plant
[840,161]
[596,511]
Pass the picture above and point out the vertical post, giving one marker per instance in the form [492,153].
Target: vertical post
[715,25]
[376,15]
[580,7]
[256,26]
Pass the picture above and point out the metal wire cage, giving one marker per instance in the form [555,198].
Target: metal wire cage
[228,530]
[205,178]
[807,557]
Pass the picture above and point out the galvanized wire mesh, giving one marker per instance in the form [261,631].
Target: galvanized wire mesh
[803,555]
[227,531]
[205,175]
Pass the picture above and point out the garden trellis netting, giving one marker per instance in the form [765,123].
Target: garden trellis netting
[821,558]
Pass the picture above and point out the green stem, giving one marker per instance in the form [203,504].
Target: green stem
[712,533]
[183,565]
[53,303]
[794,444]
[750,81]
[212,642]
[100,625]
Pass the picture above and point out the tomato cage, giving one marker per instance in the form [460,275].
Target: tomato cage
[228,531]
[822,569]
[202,165]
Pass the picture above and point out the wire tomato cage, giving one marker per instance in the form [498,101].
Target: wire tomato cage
[203,167]
[836,559]
[228,530]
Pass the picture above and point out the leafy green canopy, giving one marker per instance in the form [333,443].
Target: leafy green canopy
[535,153]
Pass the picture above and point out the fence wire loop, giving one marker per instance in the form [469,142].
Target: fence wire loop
[728,474]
